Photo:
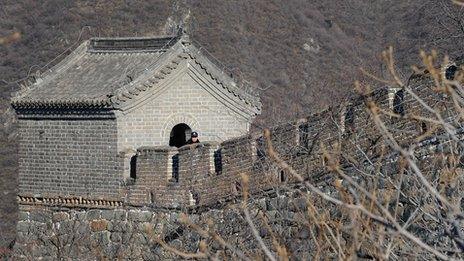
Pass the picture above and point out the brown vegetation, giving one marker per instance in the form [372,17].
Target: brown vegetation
[403,201]
[300,56]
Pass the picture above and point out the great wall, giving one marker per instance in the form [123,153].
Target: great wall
[205,181]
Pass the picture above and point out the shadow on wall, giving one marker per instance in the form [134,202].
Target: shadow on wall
[179,135]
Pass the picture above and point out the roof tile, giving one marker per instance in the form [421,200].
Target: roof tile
[105,72]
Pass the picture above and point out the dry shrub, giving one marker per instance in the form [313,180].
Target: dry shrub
[399,197]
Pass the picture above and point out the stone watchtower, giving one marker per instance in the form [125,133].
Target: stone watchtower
[82,122]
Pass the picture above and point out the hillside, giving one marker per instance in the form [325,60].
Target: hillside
[301,56]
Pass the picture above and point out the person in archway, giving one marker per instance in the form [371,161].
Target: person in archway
[193,138]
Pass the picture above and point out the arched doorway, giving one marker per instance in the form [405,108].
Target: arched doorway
[179,135]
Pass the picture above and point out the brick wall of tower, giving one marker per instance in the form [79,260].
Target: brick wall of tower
[68,157]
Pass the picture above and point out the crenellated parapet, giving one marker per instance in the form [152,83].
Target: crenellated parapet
[208,173]
[193,175]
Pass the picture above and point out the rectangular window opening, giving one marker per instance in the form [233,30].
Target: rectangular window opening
[175,168]
[218,161]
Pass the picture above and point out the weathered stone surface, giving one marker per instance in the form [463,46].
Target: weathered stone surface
[67,226]
[271,214]
[90,168]
[117,226]
[107,214]
[101,238]
[140,216]
[93,214]
[262,203]
[301,204]
[23,216]
[60,216]
[271,204]
[140,239]
[83,228]
[40,216]
[120,214]
[98,225]
[263,232]
[79,215]
[23,226]
[116,237]
[144,227]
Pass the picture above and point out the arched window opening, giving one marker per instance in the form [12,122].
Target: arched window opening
[152,197]
[133,167]
[218,161]
[179,135]
[450,72]
[398,103]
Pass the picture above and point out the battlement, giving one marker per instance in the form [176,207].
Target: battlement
[208,173]
[192,175]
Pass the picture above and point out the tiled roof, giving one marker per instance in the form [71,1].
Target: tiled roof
[106,72]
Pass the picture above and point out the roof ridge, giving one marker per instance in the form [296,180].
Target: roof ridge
[134,37]
[155,72]
[131,44]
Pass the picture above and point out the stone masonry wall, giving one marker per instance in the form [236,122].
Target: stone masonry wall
[199,183]
[198,178]
[130,233]
[206,173]
[68,157]
[194,178]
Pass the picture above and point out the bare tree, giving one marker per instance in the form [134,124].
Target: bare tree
[391,185]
